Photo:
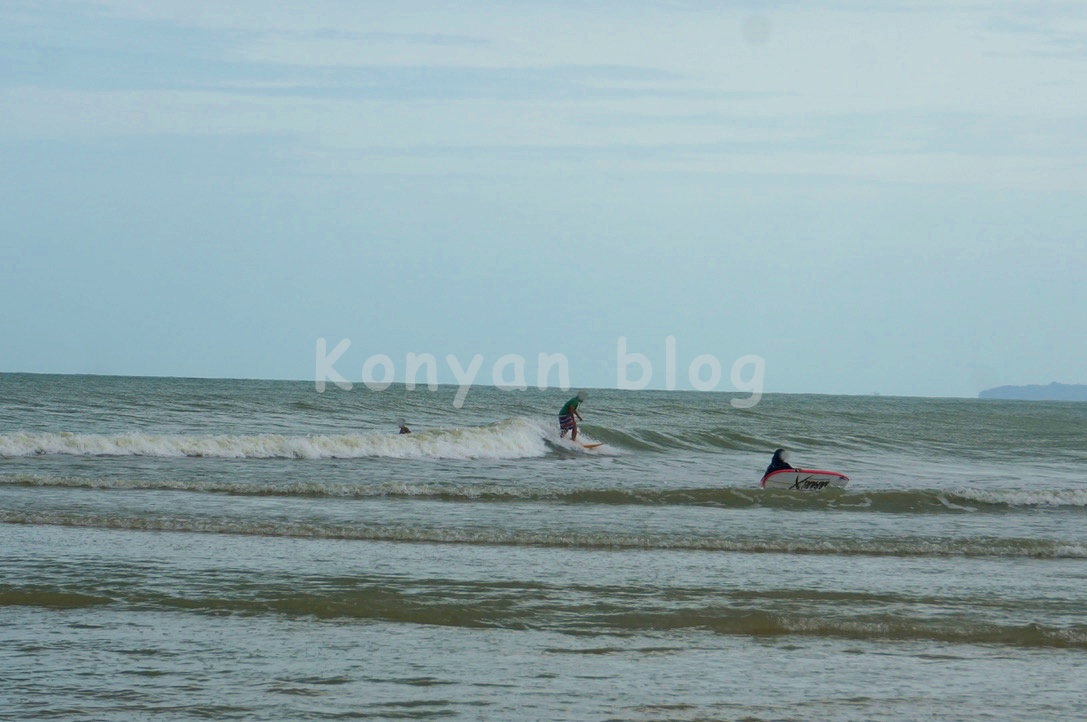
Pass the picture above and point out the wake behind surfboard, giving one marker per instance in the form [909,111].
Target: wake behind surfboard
[578,446]
[804,480]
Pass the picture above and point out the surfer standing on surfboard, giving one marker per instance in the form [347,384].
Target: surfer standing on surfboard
[779,462]
[568,413]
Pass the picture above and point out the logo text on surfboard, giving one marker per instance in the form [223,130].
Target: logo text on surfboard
[807,483]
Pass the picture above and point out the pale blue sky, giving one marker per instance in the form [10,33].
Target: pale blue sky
[885,200]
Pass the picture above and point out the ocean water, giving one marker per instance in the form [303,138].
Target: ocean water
[183,549]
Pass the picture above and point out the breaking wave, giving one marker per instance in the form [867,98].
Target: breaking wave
[514,438]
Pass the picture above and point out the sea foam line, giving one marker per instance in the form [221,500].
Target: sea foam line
[510,439]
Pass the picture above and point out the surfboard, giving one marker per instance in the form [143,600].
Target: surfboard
[804,480]
[593,446]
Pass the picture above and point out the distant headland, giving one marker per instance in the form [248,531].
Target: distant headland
[1037,392]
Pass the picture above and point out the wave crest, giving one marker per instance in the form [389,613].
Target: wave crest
[916,501]
[515,438]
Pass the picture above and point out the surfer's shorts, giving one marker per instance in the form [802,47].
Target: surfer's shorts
[566,422]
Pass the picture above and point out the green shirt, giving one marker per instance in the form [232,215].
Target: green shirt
[570,407]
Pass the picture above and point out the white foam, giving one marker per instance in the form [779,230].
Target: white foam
[514,438]
[1026,497]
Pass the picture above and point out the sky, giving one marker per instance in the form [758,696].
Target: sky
[871,198]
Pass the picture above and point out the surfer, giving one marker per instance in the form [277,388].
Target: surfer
[567,415]
[403,426]
[779,462]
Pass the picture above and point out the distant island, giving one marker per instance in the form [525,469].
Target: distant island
[1037,392]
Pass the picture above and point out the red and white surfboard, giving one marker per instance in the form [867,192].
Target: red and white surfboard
[804,480]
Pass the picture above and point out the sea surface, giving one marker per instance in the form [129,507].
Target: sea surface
[180,549]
